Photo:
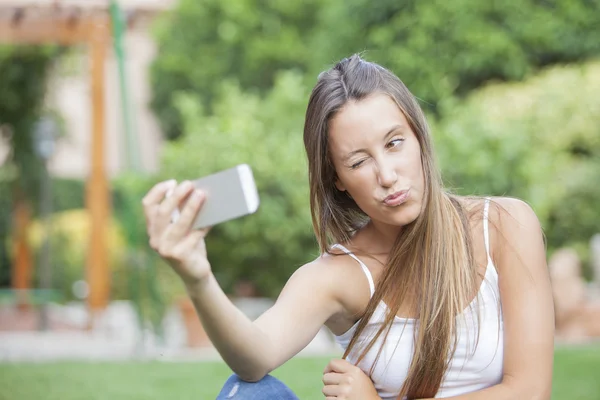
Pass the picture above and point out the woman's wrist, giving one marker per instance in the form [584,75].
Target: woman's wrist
[197,287]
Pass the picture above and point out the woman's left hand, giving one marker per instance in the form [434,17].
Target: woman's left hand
[345,381]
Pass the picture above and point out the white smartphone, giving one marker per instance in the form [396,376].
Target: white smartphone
[230,194]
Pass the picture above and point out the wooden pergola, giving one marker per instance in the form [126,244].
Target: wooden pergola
[78,22]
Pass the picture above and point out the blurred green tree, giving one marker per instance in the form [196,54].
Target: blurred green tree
[449,47]
[24,71]
[205,41]
[538,140]
[438,48]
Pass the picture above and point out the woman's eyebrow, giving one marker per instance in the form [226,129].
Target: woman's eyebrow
[387,135]
[353,152]
[392,130]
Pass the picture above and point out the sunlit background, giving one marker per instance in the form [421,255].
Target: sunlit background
[101,99]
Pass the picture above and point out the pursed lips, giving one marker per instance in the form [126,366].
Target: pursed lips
[397,198]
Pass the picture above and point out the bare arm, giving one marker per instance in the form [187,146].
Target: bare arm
[251,349]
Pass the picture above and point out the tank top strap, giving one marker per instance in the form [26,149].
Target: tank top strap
[486,234]
[363,266]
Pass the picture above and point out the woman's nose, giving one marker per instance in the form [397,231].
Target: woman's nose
[387,176]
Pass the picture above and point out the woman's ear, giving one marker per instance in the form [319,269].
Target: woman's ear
[339,186]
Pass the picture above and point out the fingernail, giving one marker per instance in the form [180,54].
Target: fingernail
[197,195]
[170,184]
[186,185]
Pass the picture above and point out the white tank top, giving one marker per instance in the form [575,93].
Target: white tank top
[478,360]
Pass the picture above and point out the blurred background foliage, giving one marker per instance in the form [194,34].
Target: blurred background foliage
[24,71]
[538,140]
[510,89]
[440,48]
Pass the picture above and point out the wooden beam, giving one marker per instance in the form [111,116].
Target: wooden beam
[48,30]
[22,265]
[98,271]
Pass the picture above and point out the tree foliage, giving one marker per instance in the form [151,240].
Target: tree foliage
[24,71]
[206,41]
[438,48]
[538,140]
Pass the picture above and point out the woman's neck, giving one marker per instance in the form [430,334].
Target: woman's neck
[376,238]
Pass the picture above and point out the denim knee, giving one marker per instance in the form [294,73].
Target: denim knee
[268,388]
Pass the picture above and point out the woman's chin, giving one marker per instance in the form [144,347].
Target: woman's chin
[400,216]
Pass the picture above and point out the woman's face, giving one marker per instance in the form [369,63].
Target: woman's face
[378,160]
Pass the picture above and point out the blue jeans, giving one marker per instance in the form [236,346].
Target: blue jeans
[268,388]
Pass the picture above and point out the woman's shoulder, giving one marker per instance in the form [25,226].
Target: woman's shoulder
[499,207]
[334,263]
[513,222]
[342,276]
[509,212]
[507,217]
[505,214]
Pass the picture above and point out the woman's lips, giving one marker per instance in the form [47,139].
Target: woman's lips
[397,198]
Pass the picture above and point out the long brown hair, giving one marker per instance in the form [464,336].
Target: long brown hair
[432,256]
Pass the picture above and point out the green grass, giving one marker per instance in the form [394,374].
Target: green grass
[577,373]
[577,376]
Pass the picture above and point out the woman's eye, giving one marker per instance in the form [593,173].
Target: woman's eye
[394,143]
[356,164]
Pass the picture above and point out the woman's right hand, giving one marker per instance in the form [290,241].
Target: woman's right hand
[180,246]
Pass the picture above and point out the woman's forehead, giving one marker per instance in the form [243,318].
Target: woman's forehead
[365,120]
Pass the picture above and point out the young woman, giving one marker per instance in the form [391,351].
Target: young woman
[429,293]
